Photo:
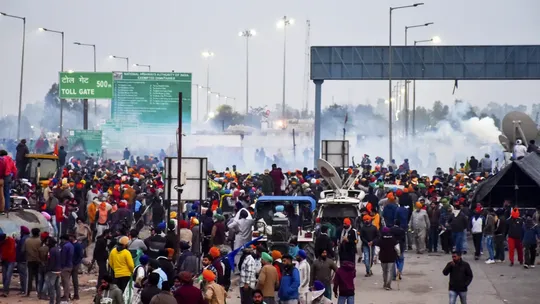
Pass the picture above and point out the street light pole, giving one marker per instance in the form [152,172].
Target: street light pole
[390,73]
[407,81]
[23,19]
[143,65]
[61,69]
[284,22]
[207,55]
[124,58]
[247,34]
[435,39]
[94,49]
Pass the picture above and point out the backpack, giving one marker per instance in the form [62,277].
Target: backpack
[103,216]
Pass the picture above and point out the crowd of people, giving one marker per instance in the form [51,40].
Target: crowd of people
[192,257]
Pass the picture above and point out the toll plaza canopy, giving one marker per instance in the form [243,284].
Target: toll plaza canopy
[518,182]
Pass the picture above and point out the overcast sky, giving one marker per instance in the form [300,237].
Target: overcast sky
[171,34]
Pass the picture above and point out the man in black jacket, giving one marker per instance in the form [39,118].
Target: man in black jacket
[461,277]
[323,242]
[368,234]
[348,240]
[101,254]
[388,254]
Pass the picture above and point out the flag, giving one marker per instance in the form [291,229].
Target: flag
[455,86]
[214,186]
[346,118]
[467,166]
[233,253]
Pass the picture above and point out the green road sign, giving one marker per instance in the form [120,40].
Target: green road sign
[85,142]
[151,98]
[86,85]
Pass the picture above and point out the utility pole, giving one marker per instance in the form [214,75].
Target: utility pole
[306,66]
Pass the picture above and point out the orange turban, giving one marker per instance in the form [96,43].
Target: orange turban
[515,213]
[405,190]
[170,253]
[347,221]
[369,207]
[391,197]
[208,275]
[366,218]
[214,252]
[418,205]
[276,255]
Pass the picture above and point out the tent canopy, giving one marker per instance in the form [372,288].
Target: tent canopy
[518,182]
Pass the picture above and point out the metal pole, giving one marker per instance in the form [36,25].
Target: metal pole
[21,82]
[95,100]
[208,87]
[197,102]
[414,97]
[247,73]
[317,135]
[284,62]
[61,101]
[406,99]
[390,86]
[127,63]
[179,215]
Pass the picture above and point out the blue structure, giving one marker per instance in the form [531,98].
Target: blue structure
[489,62]
[293,199]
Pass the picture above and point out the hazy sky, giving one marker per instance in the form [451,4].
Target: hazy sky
[170,34]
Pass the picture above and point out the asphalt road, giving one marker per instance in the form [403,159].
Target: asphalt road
[424,283]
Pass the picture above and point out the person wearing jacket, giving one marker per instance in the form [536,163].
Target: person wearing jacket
[461,277]
[11,173]
[514,231]
[187,293]
[389,213]
[368,234]
[108,292]
[344,283]
[21,258]
[213,292]
[444,225]
[402,214]
[20,158]
[530,236]
[434,213]
[458,225]
[321,271]
[66,263]
[290,282]
[8,254]
[121,262]
[155,243]
[489,230]
[323,243]
[347,242]
[499,236]
[164,297]
[53,269]
[268,279]
[400,236]
[419,225]
[32,245]
[101,255]
[388,251]
[477,224]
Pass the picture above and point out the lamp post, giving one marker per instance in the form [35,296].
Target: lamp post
[247,34]
[198,87]
[23,19]
[94,48]
[207,55]
[390,71]
[123,58]
[61,69]
[143,65]
[435,39]
[406,98]
[283,23]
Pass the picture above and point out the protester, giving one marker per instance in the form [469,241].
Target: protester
[214,293]
[304,270]
[121,262]
[477,224]
[389,251]
[368,234]
[66,262]
[461,277]
[109,292]
[164,297]
[8,255]
[151,289]
[323,270]
[344,283]
[531,236]
[290,282]
[187,293]
[268,280]
[419,225]
[515,231]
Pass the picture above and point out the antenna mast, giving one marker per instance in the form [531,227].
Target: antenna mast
[306,66]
